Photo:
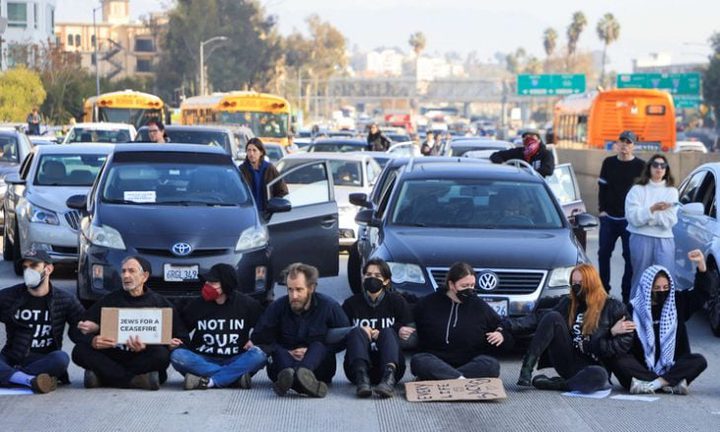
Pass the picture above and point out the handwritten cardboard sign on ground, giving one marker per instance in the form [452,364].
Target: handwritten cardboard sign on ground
[153,325]
[475,389]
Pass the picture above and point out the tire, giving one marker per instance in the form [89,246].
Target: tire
[7,249]
[353,269]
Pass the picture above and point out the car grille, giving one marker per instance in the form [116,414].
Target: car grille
[73,219]
[510,281]
[196,253]
[65,249]
[175,289]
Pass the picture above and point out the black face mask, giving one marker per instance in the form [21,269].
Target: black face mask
[578,292]
[465,294]
[658,297]
[373,285]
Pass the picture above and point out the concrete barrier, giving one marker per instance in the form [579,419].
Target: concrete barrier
[587,164]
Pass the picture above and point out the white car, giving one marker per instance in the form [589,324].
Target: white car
[36,214]
[690,146]
[109,133]
[351,173]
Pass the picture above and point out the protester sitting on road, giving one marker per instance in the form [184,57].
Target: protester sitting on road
[131,363]
[458,344]
[533,152]
[660,358]
[258,173]
[34,313]
[381,318]
[220,353]
[583,332]
[294,332]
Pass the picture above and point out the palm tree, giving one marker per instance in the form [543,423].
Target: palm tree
[417,43]
[550,43]
[608,30]
[574,30]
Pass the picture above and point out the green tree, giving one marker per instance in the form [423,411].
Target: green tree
[711,78]
[550,37]
[574,31]
[608,30]
[20,90]
[514,61]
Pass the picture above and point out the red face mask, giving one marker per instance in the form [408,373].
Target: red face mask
[209,293]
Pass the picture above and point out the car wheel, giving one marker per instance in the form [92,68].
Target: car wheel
[353,269]
[7,249]
[17,255]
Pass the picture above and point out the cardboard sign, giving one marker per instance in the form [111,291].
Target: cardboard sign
[475,389]
[153,325]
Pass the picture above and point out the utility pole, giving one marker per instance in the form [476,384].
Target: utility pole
[97,59]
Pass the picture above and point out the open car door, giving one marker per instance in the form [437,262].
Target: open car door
[309,232]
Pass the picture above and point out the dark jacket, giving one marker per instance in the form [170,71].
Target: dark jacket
[278,190]
[378,142]
[543,161]
[281,328]
[455,332]
[64,308]
[601,344]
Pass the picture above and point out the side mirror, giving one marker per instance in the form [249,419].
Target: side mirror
[694,209]
[360,199]
[77,202]
[367,218]
[278,205]
[14,179]
[586,221]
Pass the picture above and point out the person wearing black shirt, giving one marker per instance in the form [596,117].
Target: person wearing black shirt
[220,353]
[294,332]
[533,152]
[457,344]
[131,363]
[617,175]
[381,317]
[35,314]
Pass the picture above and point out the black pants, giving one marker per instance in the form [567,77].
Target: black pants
[387,351]
[428,367]
[115,367]
[552,337]
[687,367]
[318,358]
[610,230]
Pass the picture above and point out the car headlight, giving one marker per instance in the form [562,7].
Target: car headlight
[406,273]
[252,238]
[105,236]
[560,277]
[40,215]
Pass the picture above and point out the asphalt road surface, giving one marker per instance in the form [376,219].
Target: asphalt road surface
[72,408]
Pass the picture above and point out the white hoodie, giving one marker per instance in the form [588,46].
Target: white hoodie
[637,210]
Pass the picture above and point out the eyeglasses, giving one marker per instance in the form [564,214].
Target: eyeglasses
[659,165]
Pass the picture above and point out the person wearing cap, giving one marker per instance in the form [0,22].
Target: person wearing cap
[131,363]
[220,353]
[296,332]
[533,152]
[35,313]
[376,141]
[617,175]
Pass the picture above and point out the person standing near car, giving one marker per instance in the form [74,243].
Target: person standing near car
[617,175]
[34,313]
[533,152]
[457,344]
[651,211]
[258,172]
[220,353]
[33,121]
[156,132]
[376,141]
[382,319]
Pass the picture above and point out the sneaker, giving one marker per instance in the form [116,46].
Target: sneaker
[43,383]
[194,382]
[91,380]
[641,387]
[309,384]
[680,388]
[284,381]
[146,381]
[244,382]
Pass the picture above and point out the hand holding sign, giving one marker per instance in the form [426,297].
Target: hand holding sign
[101,342]
[135,344]
[175,342]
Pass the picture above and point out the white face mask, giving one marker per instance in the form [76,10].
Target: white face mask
[33,278]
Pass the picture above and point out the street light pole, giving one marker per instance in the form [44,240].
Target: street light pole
[97,60]
[202,60]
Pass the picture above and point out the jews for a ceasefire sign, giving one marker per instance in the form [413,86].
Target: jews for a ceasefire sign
[152,325]
[475,389]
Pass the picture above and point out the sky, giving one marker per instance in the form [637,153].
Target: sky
[488,26]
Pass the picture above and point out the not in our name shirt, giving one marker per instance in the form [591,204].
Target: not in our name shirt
[35,313]
[391,311]
[576,330]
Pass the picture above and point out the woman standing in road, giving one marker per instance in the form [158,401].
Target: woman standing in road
[376,140]
[258,173]
[651,212]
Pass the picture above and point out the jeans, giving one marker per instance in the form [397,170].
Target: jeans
[115,367]
[318,358]
[610,230]
[223,371]
[54,363]
[646,251]
[428,367]
[359,350]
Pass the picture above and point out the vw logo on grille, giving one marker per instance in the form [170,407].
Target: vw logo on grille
[487,280]
[181,249]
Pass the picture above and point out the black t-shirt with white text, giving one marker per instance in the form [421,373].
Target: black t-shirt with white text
[35,313]
[391,311]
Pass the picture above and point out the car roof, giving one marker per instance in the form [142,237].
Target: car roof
[456,170]
[404,160]
[330,156]
[169,147]
[75,149]
[350,141]
[170,128]
[103,126]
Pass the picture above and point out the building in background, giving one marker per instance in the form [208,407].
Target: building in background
[125,48]
[28,22]
[662,63]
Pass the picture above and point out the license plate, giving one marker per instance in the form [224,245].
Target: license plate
[499,306]
[178,273]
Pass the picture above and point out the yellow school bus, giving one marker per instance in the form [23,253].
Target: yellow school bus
[267,115]
[128,106]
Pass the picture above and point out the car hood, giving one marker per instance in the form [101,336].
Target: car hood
[441,247]
[149,226]
[54,197]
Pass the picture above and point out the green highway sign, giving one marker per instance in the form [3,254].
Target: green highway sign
[675,84]
[687,101]
[550,84]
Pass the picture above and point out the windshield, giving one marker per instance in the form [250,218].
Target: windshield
[174,184]
[9,149]
[68,170]
[274,153]
[336,147]
[135,116]
[345,173]
[460,150]
[475,204]
[81,135]
[262,124]
[217,139]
